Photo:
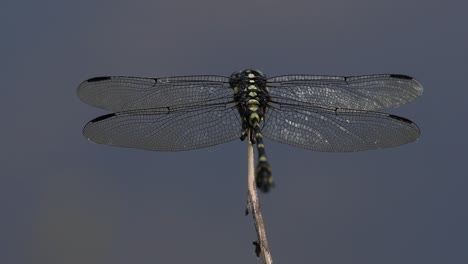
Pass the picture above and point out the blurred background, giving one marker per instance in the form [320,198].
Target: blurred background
[66,200]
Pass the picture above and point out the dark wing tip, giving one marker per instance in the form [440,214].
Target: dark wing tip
[85,86]
[89,125]
[416,85]
[409,122]
[399,118]
[100,118]
[91,80]
[401,76]
[99,79]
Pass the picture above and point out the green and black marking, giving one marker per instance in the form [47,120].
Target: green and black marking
[252,97]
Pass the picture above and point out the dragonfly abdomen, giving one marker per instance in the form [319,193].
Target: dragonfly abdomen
[252,97]
[263,176]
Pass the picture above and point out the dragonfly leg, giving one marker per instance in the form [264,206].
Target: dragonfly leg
[252,138]
[244,130]
[243,135]
[258,249]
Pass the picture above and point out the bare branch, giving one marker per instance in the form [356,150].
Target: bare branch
[261,245]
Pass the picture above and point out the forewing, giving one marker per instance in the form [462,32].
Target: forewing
[167,129]
[120,93]
[369,92]
[337,130]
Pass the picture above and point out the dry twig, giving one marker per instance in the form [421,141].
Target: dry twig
[261,245]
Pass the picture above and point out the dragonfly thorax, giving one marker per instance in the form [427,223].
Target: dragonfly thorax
[251,94]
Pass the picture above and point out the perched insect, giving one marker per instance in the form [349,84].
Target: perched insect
[323,113]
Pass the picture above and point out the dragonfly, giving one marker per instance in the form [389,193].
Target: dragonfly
[316,112]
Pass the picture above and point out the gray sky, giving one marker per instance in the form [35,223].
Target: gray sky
[66,200]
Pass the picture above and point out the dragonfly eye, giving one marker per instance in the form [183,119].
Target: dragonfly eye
[236,74]
[259,73]
[234,79]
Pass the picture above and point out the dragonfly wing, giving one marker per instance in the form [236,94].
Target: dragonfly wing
[120,93]
[368,92]
[337,130]
[166,129]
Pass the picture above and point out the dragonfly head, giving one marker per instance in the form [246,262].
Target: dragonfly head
[248,73]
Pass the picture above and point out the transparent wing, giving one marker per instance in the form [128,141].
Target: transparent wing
[167,129]
[337,130]
[119,93]
[369,92]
